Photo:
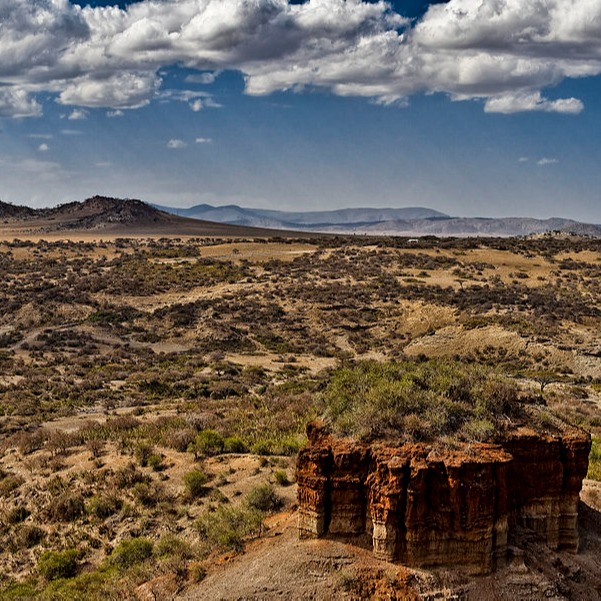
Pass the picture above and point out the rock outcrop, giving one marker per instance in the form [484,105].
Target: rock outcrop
[425,507]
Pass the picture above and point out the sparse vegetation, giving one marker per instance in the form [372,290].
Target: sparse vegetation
[418,400]
[137,375]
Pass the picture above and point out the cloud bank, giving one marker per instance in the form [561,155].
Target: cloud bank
[505,52]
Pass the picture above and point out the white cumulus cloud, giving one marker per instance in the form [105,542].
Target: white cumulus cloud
[175,144]
[196,105]
[505,52]
[203,140]
[43,147]
[515,103]
[15,102]
[78,115]
[546,161]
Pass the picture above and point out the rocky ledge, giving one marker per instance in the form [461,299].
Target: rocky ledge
[428,507]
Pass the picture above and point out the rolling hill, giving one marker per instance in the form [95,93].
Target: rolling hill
[115,216]
[408,221]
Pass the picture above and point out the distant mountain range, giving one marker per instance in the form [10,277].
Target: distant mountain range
[408,221]
[136,217]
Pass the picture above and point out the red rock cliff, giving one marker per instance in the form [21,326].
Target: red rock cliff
[453,508]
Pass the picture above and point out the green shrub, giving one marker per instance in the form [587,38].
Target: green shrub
[234,444]
[197,572]
[131,552]
[103,506]
[281,477]
[155,461]
[195,482]
[173,546]
[207,442]
[263,447]
[142,453]
[264,498]
[227,527]
[58,564]
[18,591]
[420,400]
[594,460]
[478,430]
[148,494]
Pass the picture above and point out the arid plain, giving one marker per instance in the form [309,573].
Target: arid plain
[154,392]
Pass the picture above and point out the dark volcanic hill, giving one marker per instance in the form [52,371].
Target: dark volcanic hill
[101,214]
[10,212]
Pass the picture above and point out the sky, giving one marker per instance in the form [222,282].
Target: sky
[471,107]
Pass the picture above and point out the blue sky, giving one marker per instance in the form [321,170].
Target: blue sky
[471,107]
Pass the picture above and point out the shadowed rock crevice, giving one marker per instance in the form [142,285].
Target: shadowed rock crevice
[424,507]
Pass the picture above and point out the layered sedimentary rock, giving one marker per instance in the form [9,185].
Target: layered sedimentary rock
[454,508]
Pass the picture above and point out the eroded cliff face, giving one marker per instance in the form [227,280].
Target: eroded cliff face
[428,508]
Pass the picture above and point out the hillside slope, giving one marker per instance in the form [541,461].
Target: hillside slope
[105,215]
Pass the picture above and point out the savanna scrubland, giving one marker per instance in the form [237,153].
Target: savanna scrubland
[154,392]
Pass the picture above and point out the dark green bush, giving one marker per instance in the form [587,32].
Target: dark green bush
[264,498]
[207,442]
[227,527]
[234,444]
[53,565]
[195,482]
[103,506]
[130,552]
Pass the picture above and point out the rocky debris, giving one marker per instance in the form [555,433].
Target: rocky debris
[425,507]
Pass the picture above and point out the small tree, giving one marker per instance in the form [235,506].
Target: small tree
[194,482]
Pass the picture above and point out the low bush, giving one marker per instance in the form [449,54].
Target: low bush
[10,483]
[207,442]
[234,444]
[103,506]
[227,527]
[67,507]
[29,535]
[195,482]
[173,546]
[264,498]
[281,478]
[17,514]
[148,494]
[53,565]
[131,552]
